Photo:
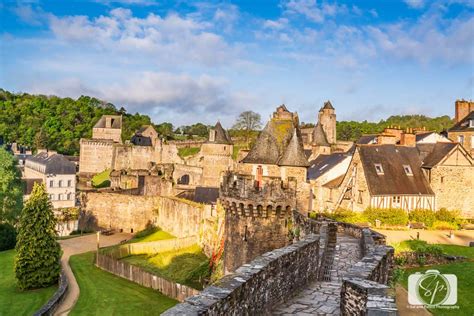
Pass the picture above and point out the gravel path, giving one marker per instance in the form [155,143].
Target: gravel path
[78,245]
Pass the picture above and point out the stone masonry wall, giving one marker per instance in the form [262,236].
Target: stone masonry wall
[256,287]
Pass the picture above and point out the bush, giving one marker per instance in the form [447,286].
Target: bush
[442,225]
[453,217]
[422,216]
[7,236]
[346,216]
[388,216]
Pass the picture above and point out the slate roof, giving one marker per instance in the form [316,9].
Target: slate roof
[55,163]
[327,105]
[438,152]
[140,140]
[421,136]
[324,163]
[294,154]
[367,139]
[222,137]
[463,125]
[319,136]
[394,180]
[424,149]
[335,183]
[117,123]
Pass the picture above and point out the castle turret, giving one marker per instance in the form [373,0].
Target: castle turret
[327,119]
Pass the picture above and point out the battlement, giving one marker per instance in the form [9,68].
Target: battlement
[269,191]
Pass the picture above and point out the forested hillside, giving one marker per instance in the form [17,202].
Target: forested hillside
[58,123]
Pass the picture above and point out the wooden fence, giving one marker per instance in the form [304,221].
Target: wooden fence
[149,247]
[136,274]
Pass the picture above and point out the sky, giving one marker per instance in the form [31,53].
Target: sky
[186,62]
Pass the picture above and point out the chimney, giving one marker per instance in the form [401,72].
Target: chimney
[394,131]
[384,139]
[462,109]
[108,122]
[212,135]
[408,138]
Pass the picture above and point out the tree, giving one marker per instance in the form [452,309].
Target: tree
[11,188]
[248,121]
[37,251]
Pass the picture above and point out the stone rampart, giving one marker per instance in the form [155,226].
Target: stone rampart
[255,288]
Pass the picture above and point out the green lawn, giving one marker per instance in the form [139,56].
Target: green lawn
[151,234]
[101,180]
[465,274]
[103,293]
[455,250]
[12,300]
[188,151]
[188,266]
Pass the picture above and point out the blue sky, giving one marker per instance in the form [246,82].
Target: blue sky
[184,62]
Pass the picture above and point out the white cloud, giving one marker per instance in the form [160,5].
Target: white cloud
[415,4]
[312,10]
[275,24]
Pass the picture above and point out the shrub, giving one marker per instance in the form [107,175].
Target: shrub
[422,216]
[7,236]
[388,216]
[397,276]
[102,179]
[37,251]
[347,216]
[453,217]
[442,225]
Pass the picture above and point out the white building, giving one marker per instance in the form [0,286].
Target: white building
[58,175]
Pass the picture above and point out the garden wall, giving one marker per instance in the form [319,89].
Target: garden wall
[56,299]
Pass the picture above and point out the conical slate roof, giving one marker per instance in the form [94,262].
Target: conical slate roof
[294,154]
[327,106]
[319,136]
[266,149]
[222,137]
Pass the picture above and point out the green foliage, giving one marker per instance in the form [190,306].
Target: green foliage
[57,123]
[188,151]
[419,246]
[397,276]
[11,188]
[422,216]
[442,225]
[37,261]
[388,216]
[101,180]
[347,216]
[151,233]
[351,130]
[7,236]
[13,301]
[197,129]
[444,215]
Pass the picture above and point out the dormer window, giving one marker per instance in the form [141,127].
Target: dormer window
[471,123]
[408,170]
[378,168]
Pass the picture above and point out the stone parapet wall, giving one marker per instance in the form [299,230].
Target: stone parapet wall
[255,288]
[50,307]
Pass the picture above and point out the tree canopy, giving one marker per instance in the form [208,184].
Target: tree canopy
[11,188]
[37,251]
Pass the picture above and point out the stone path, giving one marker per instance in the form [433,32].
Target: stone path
[74,246]
[322,298]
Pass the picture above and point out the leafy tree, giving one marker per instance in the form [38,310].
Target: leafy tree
[248,122]
[38,253]
[7,236]
[165,129]
[11,188]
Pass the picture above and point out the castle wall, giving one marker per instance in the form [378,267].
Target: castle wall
[114,134]
[454,188]
[134,157]
[328,120]
[95,156]
[217,158]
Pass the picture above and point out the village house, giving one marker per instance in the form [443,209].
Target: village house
[463,130]
[58,175]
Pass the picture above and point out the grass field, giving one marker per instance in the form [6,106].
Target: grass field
[12,300]
[455,250]
[151,234]
[101,180]
[103,293]
[465,274]
[188,151]
[188,266]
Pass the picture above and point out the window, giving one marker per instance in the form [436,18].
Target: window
[359,199]
[472,141]
[51,183]
[396,200]
[69,183]
[51,197]
[408,170]
[471,123]
[442,179]
[461,139]
[60,197]
[60,183]
[69,196]
[378,168]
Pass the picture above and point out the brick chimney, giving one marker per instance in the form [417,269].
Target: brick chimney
[462,109]
[408,138]
[394,131]
[384,139]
